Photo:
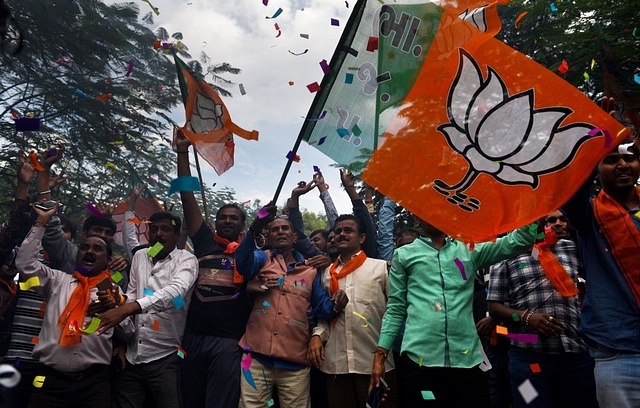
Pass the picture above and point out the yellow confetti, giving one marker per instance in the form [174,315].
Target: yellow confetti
[362,317]
[420,362]
[465,352]
[38,381]
[593,62]
[638,214]
[30,283]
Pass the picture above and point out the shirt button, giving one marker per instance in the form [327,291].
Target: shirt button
[140,342]
[279,312]
[275,333]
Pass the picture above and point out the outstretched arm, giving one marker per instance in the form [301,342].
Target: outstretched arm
[190,207]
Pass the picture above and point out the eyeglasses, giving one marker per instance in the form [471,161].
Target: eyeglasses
[553,220]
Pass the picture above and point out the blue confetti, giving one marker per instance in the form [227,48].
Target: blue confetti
[178,302]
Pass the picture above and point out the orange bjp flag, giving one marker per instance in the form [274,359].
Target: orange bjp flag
[208,124]
[481,139]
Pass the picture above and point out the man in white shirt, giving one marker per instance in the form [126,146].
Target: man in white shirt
[352,338]
[160,286]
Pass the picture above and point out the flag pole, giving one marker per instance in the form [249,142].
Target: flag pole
[286,169]
[195,151]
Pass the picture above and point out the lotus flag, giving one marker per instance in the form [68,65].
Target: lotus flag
[480,139]
[208,126]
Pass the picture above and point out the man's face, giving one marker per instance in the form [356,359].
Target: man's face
[559,223]
[618,172]
[348,239]
[319,241]
[332,249]
[163,231]
[229,223]
[105,232]
[92,255]
[281,235]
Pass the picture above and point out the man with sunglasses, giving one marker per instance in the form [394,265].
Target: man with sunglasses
[537,294]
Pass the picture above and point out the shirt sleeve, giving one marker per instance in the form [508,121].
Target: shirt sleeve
[329,208]
[385,229]
[498,289]
[397,304]
[578,208]
[514,243]
[362,213]
[180,283]
[248,260]
[321,300]
[129,234]
[62,252]
[11,231]
[322,330]
[30,267]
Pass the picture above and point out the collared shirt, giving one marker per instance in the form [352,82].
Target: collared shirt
[522,283]
[157,288]
[428,289]
[56,287]
[351,341]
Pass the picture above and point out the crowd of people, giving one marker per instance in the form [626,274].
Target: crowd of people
[546,316]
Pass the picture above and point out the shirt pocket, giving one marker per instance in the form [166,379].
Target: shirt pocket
[366,292]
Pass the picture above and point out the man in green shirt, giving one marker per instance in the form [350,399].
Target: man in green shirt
[431,284]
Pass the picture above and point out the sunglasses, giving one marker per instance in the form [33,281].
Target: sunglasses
[553,220]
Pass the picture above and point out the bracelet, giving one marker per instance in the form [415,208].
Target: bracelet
[523,314]
[385,355]
[121,300]
[44,192]
[528,317]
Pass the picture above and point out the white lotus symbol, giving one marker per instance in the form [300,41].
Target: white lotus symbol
[503,135]
[207,115]
[476,17]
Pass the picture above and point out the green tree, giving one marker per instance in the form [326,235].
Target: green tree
[313,221]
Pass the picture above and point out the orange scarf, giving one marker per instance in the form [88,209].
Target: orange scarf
[231,249]
[353,264]
[72,317]
[622,236]
[552,267]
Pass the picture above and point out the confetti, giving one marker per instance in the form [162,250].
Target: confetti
[246,362]
[242,91]
[535,368]
[178,302]
[291,83]
[313,87]
[585,75]
[181,351]
[636,78]
[137,221]
[236,295]
[527,391]
[325,67]
[607,136]
[296,54]
[322,140]
[348,79]
[460,266]
[428,395]
[372,44]
[249,378]
[38,381]
[520,17]
[276,14]
[322,115]
[293,157]
[593,62]
[335,22]
[9,381]
[502,330]
[437,307]
[564,67]
[147,292]
[280,281]
[523,337]
[305,36]
[35,340]
[30,283]
[420,361]
[156,325]
[553,7]
[129,68]
[265,2]
[270,403]
[155,249]
[364,318]
[184,183]
[117,142]
[117,277]
[316,169]
[263,213]
[93,326]
[277,27]
[266,304]
[533,228]
[515,317]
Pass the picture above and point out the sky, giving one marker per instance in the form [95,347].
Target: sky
[237,32]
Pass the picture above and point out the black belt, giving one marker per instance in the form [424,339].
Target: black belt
[78,375]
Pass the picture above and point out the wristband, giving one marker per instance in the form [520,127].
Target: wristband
[382,353]
[44,192]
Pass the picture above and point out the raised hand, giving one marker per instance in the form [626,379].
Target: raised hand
[347,178]
[51,156]
[26,172]
[180,142]
[56,179]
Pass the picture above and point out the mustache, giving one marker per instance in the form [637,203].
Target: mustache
[89,258]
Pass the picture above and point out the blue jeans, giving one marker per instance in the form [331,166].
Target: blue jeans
[564,380]
[617,377]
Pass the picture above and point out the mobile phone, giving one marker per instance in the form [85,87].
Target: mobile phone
[105,285]
[375,396]
[46,206]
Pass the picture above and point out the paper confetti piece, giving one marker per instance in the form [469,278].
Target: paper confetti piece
[129,68]
[38,381]
[246,362]
[270,403]
[363,318]
[527,391]
[533,230]
[313,87]
[523,337]
[535,368]
[293,157]
[437,306]
[33,158]
[235,296]
[593,62]
[266,304]
[296,54]
[184,183]
[276,14]
[564,67]
[428,395]
[265,2]
[372,44]
[465,352]
[342,132]
[322,140]
[117,143]
[322,115]
[30,283]
[181,352]
[11,380]
[93,326]
[519,18]
[325,67]
[335,22]
[636,78]
[103,97]
[242,91]
[178,302]
[356,130]
[155,249]
[502,330]
[607,136]
[263,213]
[305,36]
[280,281]
[117,277]
[316,169]
[35,340]
[147,292]
[553,7]
[156,325]
[249,378]
[137,221]
[348,79]
[277,27]
[460,266]
[515,317]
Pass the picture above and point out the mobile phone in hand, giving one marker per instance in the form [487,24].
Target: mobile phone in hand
[46,206]
[375,396]
[105,285]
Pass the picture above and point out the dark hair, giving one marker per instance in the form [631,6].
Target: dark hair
[243,215]
[166,215]
[70,224]
[109,249]
[351,217]
[324,232]
[105,222]
[407,231]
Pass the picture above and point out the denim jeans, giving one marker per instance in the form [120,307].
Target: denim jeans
[617,377]
[564,380]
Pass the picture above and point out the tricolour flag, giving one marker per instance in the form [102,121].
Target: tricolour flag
[208,124]
[480,138]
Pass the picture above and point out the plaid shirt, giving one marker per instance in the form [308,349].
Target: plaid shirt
[522,283]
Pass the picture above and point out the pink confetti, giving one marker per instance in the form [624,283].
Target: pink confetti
[94,210]
[265,2]
[460,266]
[524,337]
[325,67]
[263,213]
[129,69]
[246,362]
[607,136]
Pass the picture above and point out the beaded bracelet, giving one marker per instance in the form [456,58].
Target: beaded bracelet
[528,317]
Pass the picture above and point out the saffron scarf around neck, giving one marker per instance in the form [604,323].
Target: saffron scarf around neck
[623,237]
[231,247]
[72,317]
[552,267]
[351,265]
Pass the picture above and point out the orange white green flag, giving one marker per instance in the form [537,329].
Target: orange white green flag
[480,139]
[208,124]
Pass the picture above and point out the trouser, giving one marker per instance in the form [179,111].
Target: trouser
[292,386]
[499,379]
[157,379]
[318,389]
[89,388]
[209,375]
[617,377]
[352,390]
[19,396]
[445,387]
